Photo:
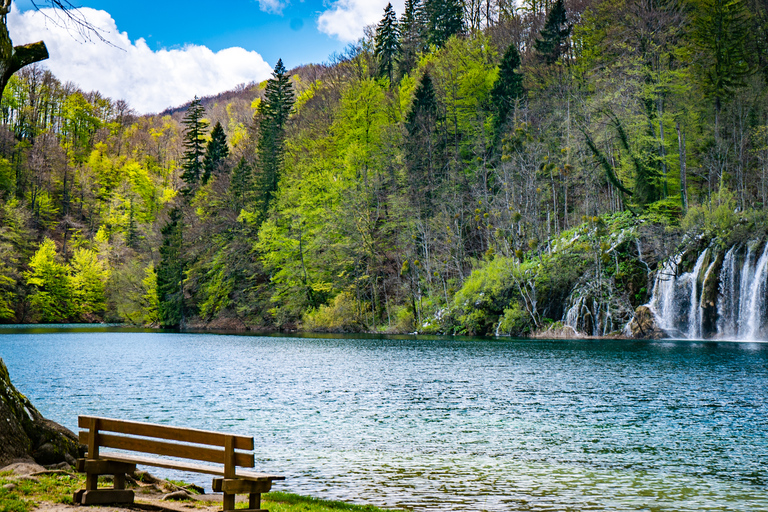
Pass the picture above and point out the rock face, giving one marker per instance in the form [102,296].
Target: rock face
[643,325]
[26,435]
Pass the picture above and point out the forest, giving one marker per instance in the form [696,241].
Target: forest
[467,167]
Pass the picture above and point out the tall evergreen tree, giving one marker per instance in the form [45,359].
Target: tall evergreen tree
[273,114]
[171,272]
[412,37]
[507,89]
[422,146]
[240,184]
[215,153]
[194,144]
[720,34]
[387,44]
[445,18]
[553,42]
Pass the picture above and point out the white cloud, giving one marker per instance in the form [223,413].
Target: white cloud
[150,81]
[346,19]
[272,6]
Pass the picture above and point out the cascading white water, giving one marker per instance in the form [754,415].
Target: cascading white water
[695,312]
[728,304]
[747,272]
[756,304]
[678,304]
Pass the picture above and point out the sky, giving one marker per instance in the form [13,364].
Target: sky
[163,53]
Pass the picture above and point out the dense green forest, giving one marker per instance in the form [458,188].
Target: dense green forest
[466,167]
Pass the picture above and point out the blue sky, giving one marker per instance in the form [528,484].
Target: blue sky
[290,34]
[172,50]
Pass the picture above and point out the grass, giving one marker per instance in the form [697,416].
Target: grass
[26,493]
[286,502]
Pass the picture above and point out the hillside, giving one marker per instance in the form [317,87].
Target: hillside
[492,173]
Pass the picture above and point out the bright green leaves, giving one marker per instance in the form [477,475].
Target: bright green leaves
[88,276]
[50,293]
[80,122]
[60,292]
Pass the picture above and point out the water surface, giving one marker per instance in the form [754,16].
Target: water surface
[438,424]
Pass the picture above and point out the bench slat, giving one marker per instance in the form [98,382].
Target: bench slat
[245,460]
[188,435]
[186,466]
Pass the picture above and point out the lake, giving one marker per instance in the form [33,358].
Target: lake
[438,424]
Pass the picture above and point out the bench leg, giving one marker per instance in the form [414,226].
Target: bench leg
[228,503]
[91,482]
[254,501]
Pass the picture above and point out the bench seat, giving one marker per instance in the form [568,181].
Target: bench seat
[186,466]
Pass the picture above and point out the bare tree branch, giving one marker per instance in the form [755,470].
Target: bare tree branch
[67,15]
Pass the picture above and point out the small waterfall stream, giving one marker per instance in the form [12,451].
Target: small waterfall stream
[685,304]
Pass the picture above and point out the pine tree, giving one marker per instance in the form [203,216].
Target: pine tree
[412,36]
[387,44]
[240,184]
[720,33]
[507,89]
[170,272]
[445,18]
[273,114]
[422,146]
[215,153]
[194,145]
[554,36]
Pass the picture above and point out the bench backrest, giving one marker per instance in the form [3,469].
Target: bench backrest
[200,445]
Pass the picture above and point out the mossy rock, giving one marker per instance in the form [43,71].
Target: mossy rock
[25,434]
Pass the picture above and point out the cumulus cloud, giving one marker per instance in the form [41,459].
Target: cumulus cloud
[346,19]
[150,81]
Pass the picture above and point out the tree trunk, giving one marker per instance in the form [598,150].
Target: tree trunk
[683,180]
[13,58]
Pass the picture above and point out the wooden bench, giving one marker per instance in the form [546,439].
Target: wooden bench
[231,452]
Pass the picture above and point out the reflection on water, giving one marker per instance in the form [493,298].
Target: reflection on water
[439,424]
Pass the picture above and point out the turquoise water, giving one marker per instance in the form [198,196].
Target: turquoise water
[438,424]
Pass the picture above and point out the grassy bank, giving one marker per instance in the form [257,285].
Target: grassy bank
[24,494]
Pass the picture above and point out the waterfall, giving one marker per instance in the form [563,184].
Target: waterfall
[664,303]
[756,303]
[726,306]
[738,311]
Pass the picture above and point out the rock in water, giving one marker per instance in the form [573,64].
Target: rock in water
[643,325]
[25,434]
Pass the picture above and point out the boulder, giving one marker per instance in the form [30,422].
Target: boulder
[177,496]
[643,325]
[25,435]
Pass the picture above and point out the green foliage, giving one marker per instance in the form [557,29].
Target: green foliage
[667,212]
[387,44]
[342,315]
[273,114]
[88,278]
[717,217]
[444,19]
[171,272]
[216,152]
[508,88]
[50,292]
[721,29]
[7,177]
[194,144]
[515,321]
[553,41]
[412,35]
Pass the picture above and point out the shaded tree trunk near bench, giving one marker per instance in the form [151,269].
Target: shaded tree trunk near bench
[25,434]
